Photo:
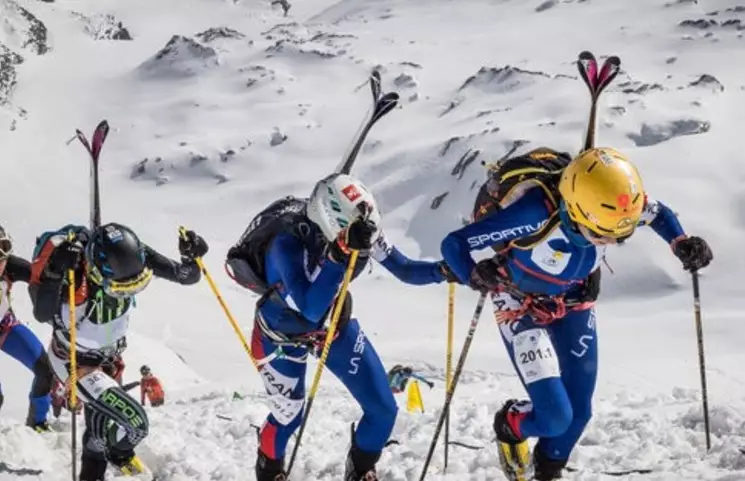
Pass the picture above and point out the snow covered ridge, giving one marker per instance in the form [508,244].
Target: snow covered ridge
[21,33]
[103,26]
[219,111]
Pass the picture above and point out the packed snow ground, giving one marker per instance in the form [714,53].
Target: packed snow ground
[210,106]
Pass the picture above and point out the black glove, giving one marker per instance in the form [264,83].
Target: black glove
[356,236]
[447,273]
[591,288]
[65,256]
[191,245]
[485,276]
[693,252]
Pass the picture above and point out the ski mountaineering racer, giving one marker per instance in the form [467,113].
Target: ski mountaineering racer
[550,234]
[111,266]
[295,254]
[19,341]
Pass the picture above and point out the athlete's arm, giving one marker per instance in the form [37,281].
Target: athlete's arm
[662,220]
[405,269]
[524,217]
[185,273]
[310,293]
[18,269]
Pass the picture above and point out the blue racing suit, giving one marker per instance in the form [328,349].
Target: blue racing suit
[305,284]
[21,343]
[557,362]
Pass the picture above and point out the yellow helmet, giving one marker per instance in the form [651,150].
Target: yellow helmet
[603,191]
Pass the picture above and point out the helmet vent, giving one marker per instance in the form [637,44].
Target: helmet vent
[574,182]
[608,206]
[589,169]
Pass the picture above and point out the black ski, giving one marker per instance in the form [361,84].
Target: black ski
[382,104]
[94,150]
[596,80]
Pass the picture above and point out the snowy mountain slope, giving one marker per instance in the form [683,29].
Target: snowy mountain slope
[473,76]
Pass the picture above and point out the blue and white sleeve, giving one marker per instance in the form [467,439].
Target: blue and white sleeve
[310,294]
[526,216]
[662,220]
[405,269]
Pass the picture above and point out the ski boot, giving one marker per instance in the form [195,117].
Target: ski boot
[547,469]
[36,418]
[132,467]
[360,464]
[42,427]
[514,452]
[268,469]
[127,463]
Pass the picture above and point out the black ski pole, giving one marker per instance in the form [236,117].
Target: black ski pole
[701,357]
[454,382]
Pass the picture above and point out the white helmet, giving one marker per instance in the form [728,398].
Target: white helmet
[333,205]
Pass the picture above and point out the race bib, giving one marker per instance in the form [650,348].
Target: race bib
[280,389]
[535,355]
[93,384]
[285,410]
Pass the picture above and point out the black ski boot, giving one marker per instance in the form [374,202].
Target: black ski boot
[547,469]
[268,469]
[33,419]
[360,464]
[93,467]
[514,452]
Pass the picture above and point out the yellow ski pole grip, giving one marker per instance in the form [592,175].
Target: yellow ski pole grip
[221,301]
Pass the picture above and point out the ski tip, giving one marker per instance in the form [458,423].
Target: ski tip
[585,55]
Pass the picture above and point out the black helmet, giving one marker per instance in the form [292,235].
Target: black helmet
[116,261]
[145,370]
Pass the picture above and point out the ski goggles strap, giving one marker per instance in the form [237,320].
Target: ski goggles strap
[129,287]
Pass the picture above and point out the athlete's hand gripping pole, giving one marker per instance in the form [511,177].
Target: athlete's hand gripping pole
[216,292]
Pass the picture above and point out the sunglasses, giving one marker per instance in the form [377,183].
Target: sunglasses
[597,238]
[120,289]
[6,247]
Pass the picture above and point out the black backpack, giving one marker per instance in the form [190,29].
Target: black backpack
[284,215]
[510,178]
